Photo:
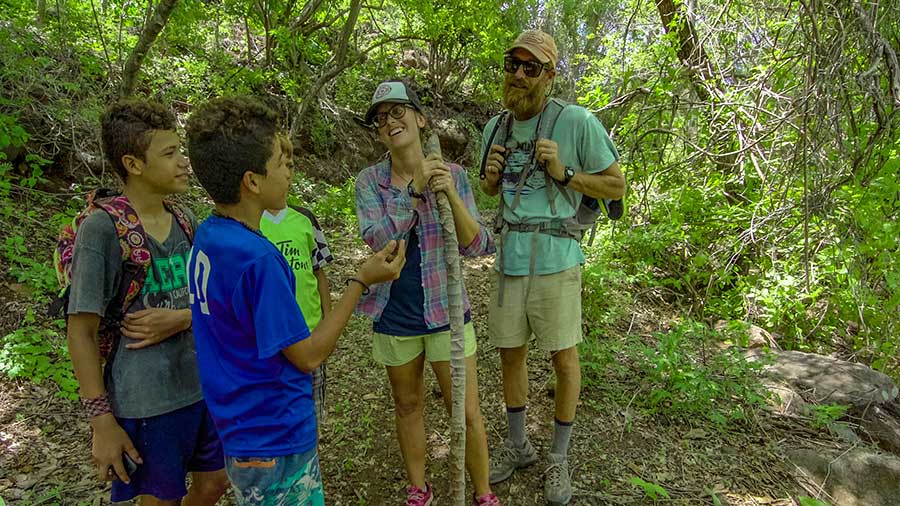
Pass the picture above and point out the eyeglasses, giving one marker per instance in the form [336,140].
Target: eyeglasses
[396,112]
[531,68]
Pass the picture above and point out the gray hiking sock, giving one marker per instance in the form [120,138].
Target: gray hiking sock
[562,431]
[516,419]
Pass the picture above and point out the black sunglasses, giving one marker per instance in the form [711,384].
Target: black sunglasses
[531,68]
[396,112]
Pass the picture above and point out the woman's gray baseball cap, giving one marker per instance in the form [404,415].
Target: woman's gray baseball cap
[394,92]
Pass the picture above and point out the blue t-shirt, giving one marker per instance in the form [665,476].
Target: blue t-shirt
[404,314]
[244,313]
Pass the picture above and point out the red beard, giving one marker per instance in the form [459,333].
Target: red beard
[522,100]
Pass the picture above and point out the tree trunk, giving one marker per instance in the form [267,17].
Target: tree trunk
[249,38]
[148,36]
[689,49]
[457,344]
[41,12]
[703,78]
[218,25]
[266,16]
[338,64]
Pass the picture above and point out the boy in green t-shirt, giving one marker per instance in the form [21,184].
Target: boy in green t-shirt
[296,233]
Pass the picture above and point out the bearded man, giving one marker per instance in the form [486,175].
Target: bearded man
[536,285]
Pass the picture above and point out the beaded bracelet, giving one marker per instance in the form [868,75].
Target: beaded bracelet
[97,406]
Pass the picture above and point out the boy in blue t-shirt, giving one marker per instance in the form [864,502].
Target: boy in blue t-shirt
[253,345]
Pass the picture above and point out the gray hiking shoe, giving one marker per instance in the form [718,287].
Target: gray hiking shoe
[509,458]
[557,483]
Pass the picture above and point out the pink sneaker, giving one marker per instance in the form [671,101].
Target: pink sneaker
[486,500]
[416,496]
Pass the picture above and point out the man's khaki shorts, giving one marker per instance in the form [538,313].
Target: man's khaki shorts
[552,311]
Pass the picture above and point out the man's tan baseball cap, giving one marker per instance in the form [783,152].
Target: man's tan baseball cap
[538,43]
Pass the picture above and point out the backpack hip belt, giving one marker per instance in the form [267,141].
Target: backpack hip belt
[587,210]
[566,229]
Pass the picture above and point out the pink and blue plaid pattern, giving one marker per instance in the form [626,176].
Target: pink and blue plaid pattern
[386,213]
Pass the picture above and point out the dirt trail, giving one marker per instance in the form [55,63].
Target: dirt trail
[45,443]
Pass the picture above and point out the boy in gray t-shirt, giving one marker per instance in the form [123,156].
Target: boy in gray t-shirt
[145,405]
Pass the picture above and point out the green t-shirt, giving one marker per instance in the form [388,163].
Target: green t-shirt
[584,146]
[296,233]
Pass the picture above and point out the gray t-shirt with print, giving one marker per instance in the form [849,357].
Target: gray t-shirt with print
[160,378]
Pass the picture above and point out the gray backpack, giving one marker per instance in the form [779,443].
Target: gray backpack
[587,211]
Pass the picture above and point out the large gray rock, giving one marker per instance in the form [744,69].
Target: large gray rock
[882,425]
[857,477]
[826,380]
[755,337]
[454,138]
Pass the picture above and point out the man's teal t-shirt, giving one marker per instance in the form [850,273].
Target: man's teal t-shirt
[584,146]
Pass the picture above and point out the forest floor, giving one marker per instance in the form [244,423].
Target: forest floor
[45,442]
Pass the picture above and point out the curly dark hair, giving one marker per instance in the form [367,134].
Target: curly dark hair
[227,137]
[126,128]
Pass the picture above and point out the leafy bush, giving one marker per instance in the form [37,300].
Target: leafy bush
[689,375]
[39,353]
[39,276]
[684,373]
[651,490]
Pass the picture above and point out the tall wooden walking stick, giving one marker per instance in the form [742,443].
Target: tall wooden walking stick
[457,342]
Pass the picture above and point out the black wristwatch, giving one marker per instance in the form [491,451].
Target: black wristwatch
[413,193]
[568,174]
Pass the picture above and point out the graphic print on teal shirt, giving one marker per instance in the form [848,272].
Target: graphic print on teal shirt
[166,281]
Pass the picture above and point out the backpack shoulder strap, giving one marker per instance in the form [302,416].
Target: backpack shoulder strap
[499,132]
[545,127]
[549,117]
[182,218]
[133,244]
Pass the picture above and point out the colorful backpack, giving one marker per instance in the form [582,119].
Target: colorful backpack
[135,259]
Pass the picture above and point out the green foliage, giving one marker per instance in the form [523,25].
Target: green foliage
[651,490]
[483,201]
[12,136]
[809,501]
[39,276]
[338,202]
[11,133]
[323,134]
[826,414]
[51,497]
[38,353]
[688,372]
[796,234]
[688,376]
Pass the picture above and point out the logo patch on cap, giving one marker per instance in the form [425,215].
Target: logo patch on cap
[382,91]
[531,38]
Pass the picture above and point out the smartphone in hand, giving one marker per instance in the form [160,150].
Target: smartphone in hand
[130,466]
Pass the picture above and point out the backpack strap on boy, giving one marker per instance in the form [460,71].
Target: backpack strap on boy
[135,256]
